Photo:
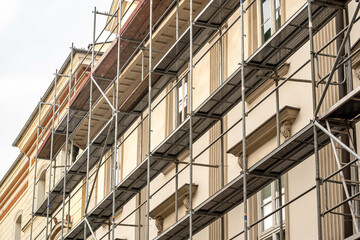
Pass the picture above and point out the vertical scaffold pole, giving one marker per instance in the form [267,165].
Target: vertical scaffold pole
[35,171]
[222,174]
[89,125]
[67,142]
[176,121]
[141,141]
[191,124]
[280,212]
[116,123]
[277,96]
[51,158]
[243,119]
[71,161]
[149,127]
[313,79]
[349,76]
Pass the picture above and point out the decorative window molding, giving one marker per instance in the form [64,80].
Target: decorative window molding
[266,132]
[166,207]
[56,231]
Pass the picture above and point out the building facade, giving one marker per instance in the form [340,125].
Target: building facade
[118,150]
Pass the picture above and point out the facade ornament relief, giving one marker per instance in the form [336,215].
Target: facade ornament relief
[240,161]
[357,72]
[159,223]
[356,64]
[186,202]
[285,130]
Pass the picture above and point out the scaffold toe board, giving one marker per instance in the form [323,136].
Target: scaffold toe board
[279,161]
[347,108]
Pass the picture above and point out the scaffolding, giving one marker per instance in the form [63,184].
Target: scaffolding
[99,84]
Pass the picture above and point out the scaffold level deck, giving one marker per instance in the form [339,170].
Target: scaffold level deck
[346,108]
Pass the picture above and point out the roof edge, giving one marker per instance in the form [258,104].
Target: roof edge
[18,158]
[46,94]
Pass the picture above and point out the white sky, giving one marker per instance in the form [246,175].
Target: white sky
[35,37]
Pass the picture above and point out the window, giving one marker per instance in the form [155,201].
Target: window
[74,153]
[270,18]
[268,202]
[181,100]
[17,233]
[41,188]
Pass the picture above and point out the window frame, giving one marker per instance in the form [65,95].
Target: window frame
[274,26]
[274,230]
[181,109]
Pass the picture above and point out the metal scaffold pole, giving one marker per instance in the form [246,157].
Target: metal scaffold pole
[67,143]
[176,121]
[116,122]
[316,151]
[35,170]
[51,159]
[141,141]
[243,119]
[149,127]
[343,181]
[89,127]
[191,125]
[222,173]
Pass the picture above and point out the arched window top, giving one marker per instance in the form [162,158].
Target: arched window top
[17,225]
[18,214]
[41,170]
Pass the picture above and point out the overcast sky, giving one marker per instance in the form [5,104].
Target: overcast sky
[35,37]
